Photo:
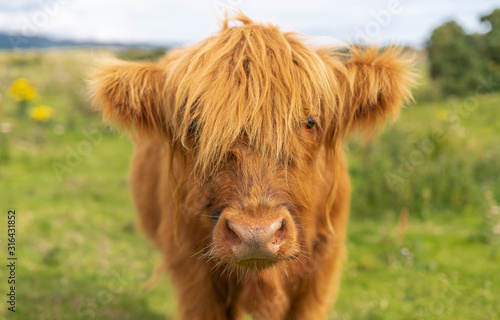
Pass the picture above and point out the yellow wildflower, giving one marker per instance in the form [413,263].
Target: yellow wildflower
[21,89]
[41,113]
[442,115]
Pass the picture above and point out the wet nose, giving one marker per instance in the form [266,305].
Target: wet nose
[250,241]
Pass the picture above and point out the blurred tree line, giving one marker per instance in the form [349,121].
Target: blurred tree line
[462,63]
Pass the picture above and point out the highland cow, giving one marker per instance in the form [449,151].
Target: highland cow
[239,175]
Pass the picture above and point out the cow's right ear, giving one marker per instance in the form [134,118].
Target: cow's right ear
[131,94]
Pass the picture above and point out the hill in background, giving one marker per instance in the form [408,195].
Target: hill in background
[17,41]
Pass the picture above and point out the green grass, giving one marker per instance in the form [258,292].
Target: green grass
[81,257]
[440,271]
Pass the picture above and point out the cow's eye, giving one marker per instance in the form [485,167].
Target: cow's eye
[216,215]
[193,128]
[310,123]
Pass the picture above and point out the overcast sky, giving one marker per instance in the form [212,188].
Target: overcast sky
[167,21]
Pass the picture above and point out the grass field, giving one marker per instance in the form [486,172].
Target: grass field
[80,256]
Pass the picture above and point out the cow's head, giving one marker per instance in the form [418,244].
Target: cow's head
[248,112]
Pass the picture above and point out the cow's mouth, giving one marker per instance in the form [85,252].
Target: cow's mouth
[256,264]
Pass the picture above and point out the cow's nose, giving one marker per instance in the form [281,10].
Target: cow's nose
[252,241]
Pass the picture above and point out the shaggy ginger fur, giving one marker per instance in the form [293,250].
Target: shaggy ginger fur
[245,129]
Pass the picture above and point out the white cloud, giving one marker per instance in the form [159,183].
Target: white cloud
[186,21]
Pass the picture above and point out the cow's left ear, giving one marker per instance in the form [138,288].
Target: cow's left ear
[375,83]
[131,95]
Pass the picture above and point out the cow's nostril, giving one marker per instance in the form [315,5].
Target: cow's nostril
[233,233]
[279,235]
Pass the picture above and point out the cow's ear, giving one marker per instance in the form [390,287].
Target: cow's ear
[131,94]
[376,82]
